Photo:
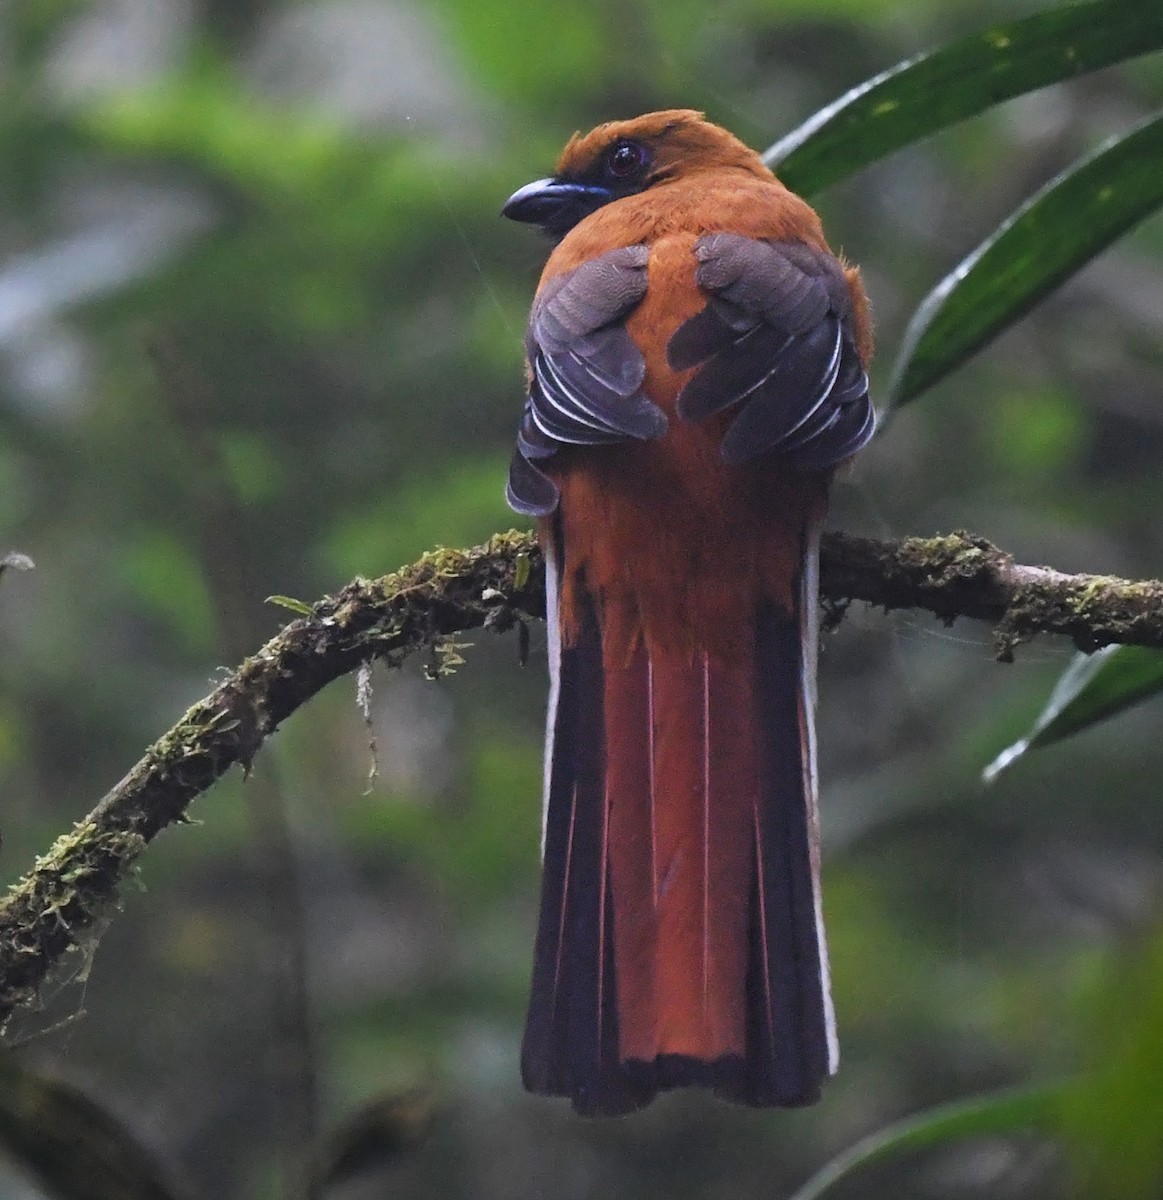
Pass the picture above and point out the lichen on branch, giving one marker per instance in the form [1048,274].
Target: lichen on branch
[959,575]
[74,886]
[62,901]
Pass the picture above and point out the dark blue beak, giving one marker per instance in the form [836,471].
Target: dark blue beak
[554,205]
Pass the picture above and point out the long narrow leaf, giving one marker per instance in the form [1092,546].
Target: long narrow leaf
[935,90]
[1055,233]
[1008,1112]
[1093,687]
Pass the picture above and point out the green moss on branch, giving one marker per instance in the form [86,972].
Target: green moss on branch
[61,903]
[75,885]
[959,575]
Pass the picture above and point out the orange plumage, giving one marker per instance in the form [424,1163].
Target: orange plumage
[696,373]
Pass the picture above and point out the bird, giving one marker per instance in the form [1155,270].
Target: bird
[696,372]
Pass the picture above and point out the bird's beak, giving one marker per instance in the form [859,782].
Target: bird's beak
[554,205]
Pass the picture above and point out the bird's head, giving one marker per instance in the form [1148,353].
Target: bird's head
[623,158]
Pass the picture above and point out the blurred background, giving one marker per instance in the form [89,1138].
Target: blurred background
[260,331]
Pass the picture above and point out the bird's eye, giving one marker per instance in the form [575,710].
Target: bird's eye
[626,159]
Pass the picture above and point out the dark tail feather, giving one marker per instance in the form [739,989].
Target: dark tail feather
[571,1036]
[680,941]
[790,1034]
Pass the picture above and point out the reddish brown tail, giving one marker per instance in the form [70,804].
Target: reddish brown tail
[680,941]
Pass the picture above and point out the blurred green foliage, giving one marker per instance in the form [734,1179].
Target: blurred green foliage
[260,329]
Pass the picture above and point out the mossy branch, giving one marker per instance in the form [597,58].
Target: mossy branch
[63,899]
[60,904]
[959,575]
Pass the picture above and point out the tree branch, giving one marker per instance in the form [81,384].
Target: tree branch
[960,575]
[59,905]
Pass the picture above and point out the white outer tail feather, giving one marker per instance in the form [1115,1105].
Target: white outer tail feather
[553,629]
[810,629]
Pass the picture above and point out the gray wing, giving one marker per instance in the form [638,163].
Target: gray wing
[777,339]
[586,372]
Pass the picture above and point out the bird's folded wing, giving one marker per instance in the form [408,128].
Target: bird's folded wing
[585,372]
[777,341]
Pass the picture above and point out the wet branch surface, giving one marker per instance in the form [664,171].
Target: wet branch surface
[60,905]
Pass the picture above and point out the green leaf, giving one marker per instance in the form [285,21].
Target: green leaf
[938,89]
[76,1148]
[289,602]
[1057,231]
[1093,687]
[1017,1111]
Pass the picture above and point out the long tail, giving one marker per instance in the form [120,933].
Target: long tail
[680,939]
